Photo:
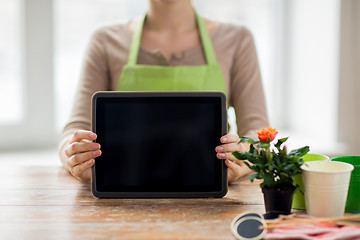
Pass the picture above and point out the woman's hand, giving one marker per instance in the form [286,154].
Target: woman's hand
[80,154]
[236,167]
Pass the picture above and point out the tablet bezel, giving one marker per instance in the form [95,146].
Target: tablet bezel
[192,94]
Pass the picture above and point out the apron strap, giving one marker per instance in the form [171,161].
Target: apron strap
[135,43]
[206,41]
[204,36]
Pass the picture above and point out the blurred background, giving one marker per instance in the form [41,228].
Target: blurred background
[308,51]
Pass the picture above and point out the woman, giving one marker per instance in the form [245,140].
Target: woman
[173,37]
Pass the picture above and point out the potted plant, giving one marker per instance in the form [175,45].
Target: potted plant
[271,162]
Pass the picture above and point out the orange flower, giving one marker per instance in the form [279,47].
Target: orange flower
[268,134]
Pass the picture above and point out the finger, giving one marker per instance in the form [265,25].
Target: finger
[230,157]
[230,147]
[233,171]
[78,170]
[83,134]
[226,155]
[80,147]
[236,171]
[80,158]
[229,138]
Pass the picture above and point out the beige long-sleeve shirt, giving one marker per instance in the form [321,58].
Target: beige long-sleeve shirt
[235,52]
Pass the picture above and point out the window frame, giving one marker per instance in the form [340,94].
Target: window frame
[36,128]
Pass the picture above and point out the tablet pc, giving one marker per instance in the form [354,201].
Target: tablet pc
[159,144]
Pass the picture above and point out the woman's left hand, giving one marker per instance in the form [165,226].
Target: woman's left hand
[231,144]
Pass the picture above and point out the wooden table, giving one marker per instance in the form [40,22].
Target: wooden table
[45,202]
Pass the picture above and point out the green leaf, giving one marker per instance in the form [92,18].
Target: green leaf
[299,152]
[253,151]
[301,161]
[285,177]
[252,177]
[248,140]
[289,167]
[240,156]
[263,145]
[255,167]
[268,180]
[271,167]
[295,172]
[245,156]
[277,160]
[279,142]
[249,166]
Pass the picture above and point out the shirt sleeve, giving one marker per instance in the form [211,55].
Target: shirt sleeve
[247,95]
[94,77]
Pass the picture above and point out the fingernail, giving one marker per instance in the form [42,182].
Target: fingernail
[221,154]
[219,149]
[224,139]
[90,161]
[95,146]
[93,135]
[96,153]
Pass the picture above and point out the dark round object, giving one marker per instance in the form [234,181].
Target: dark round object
[247,214]
[249,228]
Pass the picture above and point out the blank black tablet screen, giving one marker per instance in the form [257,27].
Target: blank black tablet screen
[158,144]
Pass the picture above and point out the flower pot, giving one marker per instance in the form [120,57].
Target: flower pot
[278,199]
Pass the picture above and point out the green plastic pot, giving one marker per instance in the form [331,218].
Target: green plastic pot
[353,198]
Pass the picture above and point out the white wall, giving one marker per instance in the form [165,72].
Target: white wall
[312,74]
[349,84]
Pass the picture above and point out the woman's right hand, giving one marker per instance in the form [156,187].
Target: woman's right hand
[81,153]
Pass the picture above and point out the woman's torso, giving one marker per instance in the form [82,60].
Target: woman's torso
[235,52]
[225,39]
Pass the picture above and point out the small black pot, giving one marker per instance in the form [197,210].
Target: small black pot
[278,199]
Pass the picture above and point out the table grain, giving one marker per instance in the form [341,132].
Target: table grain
[46,202]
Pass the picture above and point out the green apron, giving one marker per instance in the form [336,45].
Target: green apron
[137,77]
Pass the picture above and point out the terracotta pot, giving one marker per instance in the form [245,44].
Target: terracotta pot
[278,199]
